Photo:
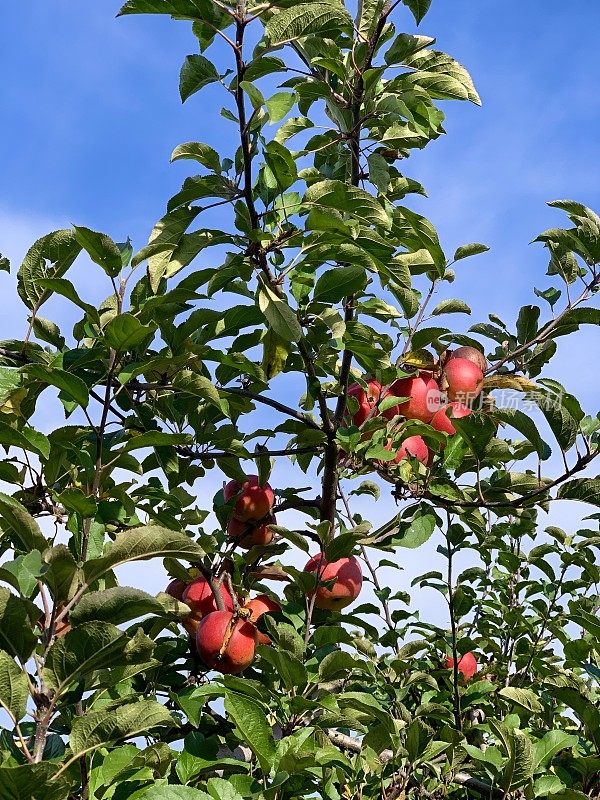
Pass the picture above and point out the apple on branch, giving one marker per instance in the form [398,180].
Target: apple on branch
[346,574]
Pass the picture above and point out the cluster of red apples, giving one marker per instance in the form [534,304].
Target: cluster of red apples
[224,630]
[226,639]
[423,398]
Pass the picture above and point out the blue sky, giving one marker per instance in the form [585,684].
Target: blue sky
[91,113]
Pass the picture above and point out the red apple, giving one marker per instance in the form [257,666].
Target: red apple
[423,397]
[472,354]
[226,643]
[258,606]
[253,500]
[176,588]
[413,446]
[247,535]
[367,400]
[442,422]
[348,581]
[199,597]
[467,665]
[465,379]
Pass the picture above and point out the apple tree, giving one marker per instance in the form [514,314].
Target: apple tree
[326,315]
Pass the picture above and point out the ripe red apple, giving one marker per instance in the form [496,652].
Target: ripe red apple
[467,665]
[413,446]
[465,379]
[199,597]
[442,422]
[472,354]
[226,643]
[247,535]
[253,500]
[348,581]
[423,397]
[176,588]
[367,400]
[258,606]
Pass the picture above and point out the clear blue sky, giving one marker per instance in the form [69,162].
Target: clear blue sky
[91,112]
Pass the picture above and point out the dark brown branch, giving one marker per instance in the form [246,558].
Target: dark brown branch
[268,401]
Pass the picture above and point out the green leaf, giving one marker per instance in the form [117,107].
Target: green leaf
[47,331]
[418,7]
[63,573]
[349,199]
[425,236]
[552,743]
[369,12]
[197,187]
[451,307]
[196,72]
[585,490]
[119,604]
[562,423]
[527,323]
[525,698]
[66,289]
[203,153]
[307,19]
[249,718]
[196,385]
[288,668]
[476,430]
[256,96]
[26,570]
[28,533]
[335,284]
[33,782]
[281,318]
[100,728]
[125,332]
[525,425]
[139,544]
[14,689]
[405,45]
[91,647]
[441,76]
[4,264]
[275,353]
[16,635]
[101,249]
[50,257]
[419,531]
[69,384]
[281,166]
[467,250]
[519,769]
[26,438]
[172,793]
[279,105]
[74,499]
[164,241]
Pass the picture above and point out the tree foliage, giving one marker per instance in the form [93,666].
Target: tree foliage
[324,278]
